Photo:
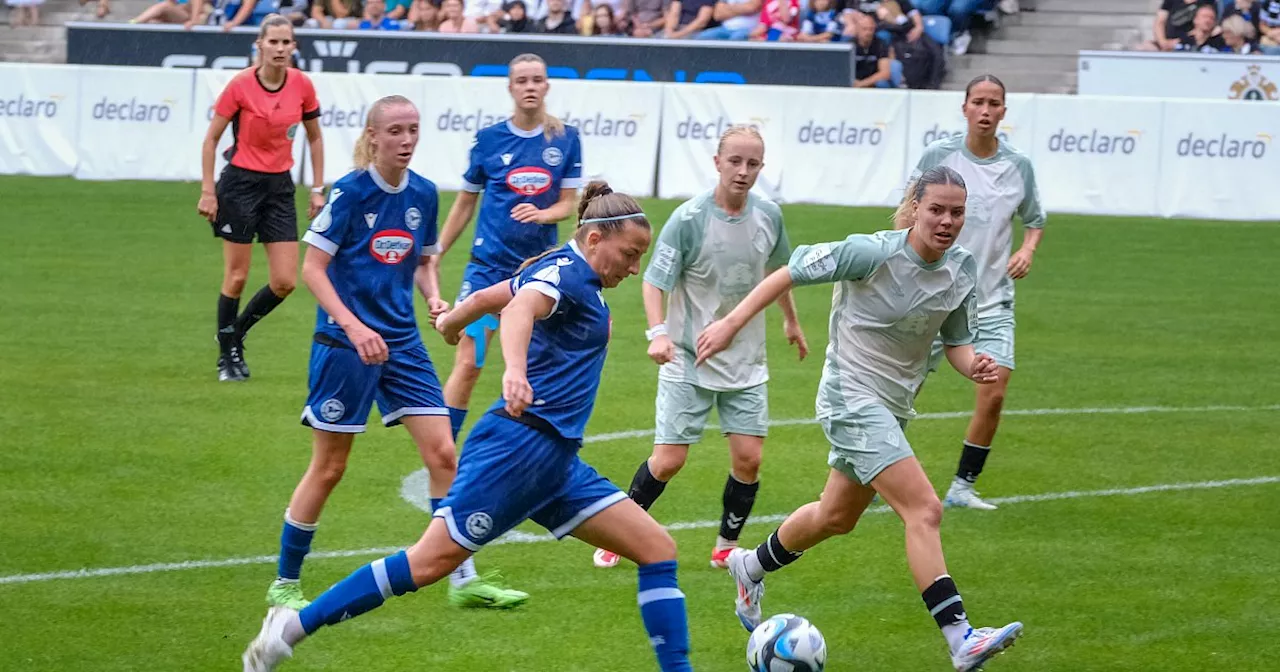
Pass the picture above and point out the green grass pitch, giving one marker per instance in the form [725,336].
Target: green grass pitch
[119,448]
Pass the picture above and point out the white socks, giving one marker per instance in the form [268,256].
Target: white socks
[464,574]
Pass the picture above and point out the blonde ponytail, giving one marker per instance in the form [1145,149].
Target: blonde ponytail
[905,216]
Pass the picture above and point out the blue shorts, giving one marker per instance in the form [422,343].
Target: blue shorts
[343,388]
[475,278]
[510,472]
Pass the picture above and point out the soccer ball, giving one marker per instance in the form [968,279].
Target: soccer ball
[786,643]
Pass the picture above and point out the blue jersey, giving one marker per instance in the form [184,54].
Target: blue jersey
[567,349]
[512,166]
[377,233]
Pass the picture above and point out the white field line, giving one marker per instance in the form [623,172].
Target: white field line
[953,415]
[526,538]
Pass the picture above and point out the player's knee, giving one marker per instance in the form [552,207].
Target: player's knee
[329,473]
[664,465]
[282,287]
[661,547]
[441,459]
[837,521]
[746,466]
[234,280]
[464,370]
[927,515]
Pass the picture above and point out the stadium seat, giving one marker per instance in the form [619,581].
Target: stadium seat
[938,28]
[884,36]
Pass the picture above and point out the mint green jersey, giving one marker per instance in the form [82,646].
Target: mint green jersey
[707,262]
[886,308]
[999,187]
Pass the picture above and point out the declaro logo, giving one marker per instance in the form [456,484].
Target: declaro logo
[22,106]
[1223,147]
[841,134]
[606,127]
[1094,142]
[333,116]
[712,129]
[132,111]
[470,122]
[391,247]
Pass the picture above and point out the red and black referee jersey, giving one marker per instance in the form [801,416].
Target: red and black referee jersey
[264,121]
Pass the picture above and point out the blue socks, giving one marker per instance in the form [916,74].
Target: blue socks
[295,543]
[365,590]
[456,417]
[663,612]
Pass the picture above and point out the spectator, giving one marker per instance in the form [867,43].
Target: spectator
[900,19]
[1173,21]
[736,18]
[686,18]
[104,8]
[1202,38]
[487,14]
[961,14]
[557,21]
[779,21]
[1239,35]
[1269,27]
[602,21]
[452,20]
[424,16]
[27,12]
[340,14]
[165,11]
[516,19]
[375,17]
[296,11]
[1249,10]
[821,23]
[642,18]
[870,57]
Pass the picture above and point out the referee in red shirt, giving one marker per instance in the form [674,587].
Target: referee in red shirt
[255,195]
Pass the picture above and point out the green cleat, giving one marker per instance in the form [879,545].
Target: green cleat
[284,593]
[485,592]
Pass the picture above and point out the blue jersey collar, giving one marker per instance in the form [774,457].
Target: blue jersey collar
[382,183]
[517,131]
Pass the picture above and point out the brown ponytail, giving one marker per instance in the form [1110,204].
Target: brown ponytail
[602,209]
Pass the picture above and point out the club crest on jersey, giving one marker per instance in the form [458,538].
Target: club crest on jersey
[552,156]
[412,218]
[529,181]
[390,247]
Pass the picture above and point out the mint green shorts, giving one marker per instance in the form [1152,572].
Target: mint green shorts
[683,408]
[994,339]
[865,442]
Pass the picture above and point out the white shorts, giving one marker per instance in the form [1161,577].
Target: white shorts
[682,410]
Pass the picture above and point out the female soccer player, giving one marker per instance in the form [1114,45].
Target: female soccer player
[713,250]
[521,460]
[368,248]
[529,168]
[255,195]
[894,291]
[1003,184]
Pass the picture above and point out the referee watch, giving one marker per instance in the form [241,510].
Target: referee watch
[318,190]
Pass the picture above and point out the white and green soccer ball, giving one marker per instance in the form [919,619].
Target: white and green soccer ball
[786,643]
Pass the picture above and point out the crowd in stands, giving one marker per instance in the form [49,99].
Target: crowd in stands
[893,43]
[1216,26]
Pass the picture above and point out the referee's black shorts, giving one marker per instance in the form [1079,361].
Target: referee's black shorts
[252,203]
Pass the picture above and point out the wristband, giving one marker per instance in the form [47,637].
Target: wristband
[318,190]
[660,330]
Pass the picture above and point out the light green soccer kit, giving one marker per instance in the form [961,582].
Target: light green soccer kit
[999,187]
[707,262]
[886,308]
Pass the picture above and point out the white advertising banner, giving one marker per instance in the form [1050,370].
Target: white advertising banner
[209,85]
[694,116]
[936,115]
[1214,153]
[1215,76]
[1097,154]
[619,123]
[134,125]
[344,106]
[843,146]
[453,109]
[39,110]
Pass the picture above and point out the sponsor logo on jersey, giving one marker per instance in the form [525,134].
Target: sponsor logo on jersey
[529,181]
[552,156]
[390,247]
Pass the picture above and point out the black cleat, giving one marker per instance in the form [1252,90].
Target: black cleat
[236,355]
[227,371]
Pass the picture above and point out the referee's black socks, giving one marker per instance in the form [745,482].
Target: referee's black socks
[227,310]
[259,306]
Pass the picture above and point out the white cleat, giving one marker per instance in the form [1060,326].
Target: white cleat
[962,495]
[983,644]
[269,649]
[605,559]
[749,592]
